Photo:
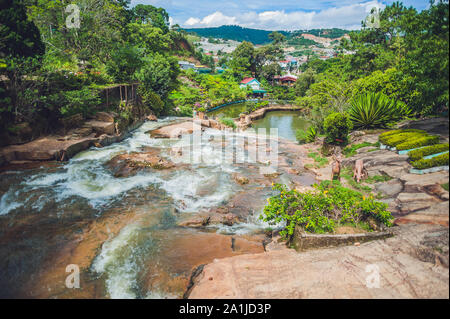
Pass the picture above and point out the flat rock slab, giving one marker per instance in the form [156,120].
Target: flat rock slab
[329,273]
[45,149]
[414,197]
[413,181]
[175,130]
[437,214]
[390,188]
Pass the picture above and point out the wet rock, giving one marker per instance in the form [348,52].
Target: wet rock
[129,164]
[240,179]
[175,130]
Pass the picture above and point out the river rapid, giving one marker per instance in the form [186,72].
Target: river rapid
[123,234]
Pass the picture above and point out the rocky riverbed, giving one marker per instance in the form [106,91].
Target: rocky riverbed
[143,221]
[412,264]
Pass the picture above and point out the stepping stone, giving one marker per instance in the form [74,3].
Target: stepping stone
[390,188]
[414,197]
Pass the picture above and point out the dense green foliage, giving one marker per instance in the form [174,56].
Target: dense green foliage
[323,209]
[417,141]
[306,136]
[396,137]
[337,126]
[228,122]
[371,110]
[54,71]
[236,33]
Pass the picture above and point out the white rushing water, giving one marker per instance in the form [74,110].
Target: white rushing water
[85,178]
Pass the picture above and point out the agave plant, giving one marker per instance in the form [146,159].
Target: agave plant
[371,110]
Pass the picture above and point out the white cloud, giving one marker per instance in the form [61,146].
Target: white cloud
[348,17]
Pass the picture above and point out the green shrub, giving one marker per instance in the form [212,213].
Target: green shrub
[440,160]
[415,155]
[151,100]
[84,101]
[321,210]
[418,142]
[395,139]
[228,122]
[388,133]
[370,110]
[308,136]
[336,127]
[201,109]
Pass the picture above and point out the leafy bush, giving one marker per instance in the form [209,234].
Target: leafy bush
[371,110]
[395,139]
[124,62]
[415,155]
[82,101]
[321,210]
[389,133]
[308,136]
[336,127]
[151,100]
[440,160]
[201,109]
[228,122]
[418,142]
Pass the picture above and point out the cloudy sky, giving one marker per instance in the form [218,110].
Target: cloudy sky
[273,15]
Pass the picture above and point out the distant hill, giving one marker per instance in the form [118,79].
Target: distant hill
[256,36]
[236,33]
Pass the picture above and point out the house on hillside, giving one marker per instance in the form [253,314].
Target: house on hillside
[284,64]
[255,85]
[185,65]
[285,80]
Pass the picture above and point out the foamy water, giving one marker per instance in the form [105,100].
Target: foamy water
[85,178]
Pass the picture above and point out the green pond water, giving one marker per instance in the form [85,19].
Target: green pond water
[232,111]
[287,122]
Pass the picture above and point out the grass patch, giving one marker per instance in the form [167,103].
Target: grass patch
[350,151]
[347,174]
[319,160]
[378,179]
[228,122]
[445,186]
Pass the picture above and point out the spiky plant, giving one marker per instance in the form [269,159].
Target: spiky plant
[372,110]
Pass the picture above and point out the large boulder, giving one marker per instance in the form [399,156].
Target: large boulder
[174,130]
[101,127]
[129,164]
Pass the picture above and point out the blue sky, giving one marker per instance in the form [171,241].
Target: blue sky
[273,15]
